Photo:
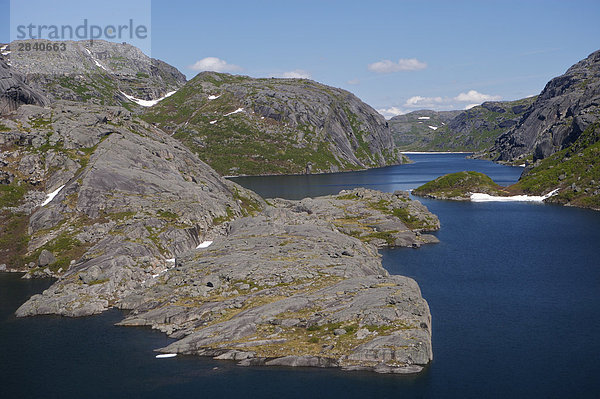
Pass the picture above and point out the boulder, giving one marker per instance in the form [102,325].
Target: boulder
[46,258]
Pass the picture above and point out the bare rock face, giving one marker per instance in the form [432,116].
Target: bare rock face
[106,192]
[287,288]
[565,108]
[242,125]
[282,287]
[14,90]
[98,72]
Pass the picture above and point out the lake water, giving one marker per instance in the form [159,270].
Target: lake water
[514,290]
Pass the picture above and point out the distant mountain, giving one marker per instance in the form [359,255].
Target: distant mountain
[416,130]
[102,73]
[242,125]
[474,129]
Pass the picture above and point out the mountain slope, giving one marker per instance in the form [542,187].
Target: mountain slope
[242,125]
[14,90]
[574,171]
[94,186]
[474,129]
[564,109]
[99,73]
[415,130]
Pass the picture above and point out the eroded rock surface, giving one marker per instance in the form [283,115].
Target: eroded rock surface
[567,106]
[287,286]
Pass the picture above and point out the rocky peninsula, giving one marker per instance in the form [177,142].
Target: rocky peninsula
[298,284]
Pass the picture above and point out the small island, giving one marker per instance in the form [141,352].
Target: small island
[460,186]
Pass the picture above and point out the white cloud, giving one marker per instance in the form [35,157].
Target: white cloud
[390,112]
[473,96]
[438,103]
[353,81]
[214,64]
[420,102]
[296,74]
[387,66]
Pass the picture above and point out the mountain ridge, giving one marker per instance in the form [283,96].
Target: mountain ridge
[244,125]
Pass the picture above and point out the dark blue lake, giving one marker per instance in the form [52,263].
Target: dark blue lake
[514,290]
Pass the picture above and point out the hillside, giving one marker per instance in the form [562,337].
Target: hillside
[102,73]
[474,129]
[574,171]
[416,130]
[242,125]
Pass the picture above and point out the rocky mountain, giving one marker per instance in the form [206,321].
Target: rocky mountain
[474,129]
[94,185]
[567,106]
[97,72]
[242,125]
[415,130]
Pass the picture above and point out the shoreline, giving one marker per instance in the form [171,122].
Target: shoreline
[436,152]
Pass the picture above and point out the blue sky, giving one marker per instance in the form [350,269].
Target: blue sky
[397,56]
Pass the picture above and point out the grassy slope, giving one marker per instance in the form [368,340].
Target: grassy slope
[575,171]
[458,185]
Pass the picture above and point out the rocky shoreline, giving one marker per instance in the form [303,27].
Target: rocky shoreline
[296,285]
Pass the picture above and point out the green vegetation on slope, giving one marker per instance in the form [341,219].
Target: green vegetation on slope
[475,129]
[575,170]
[459,186]
[282,138]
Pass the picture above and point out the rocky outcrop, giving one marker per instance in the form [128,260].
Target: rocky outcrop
[97,187]
[564,109]
[284,287]
[124,215]
[242,125]
[14,90]
[98,72]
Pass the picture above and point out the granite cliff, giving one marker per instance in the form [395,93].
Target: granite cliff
[15,91]
[567,106]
